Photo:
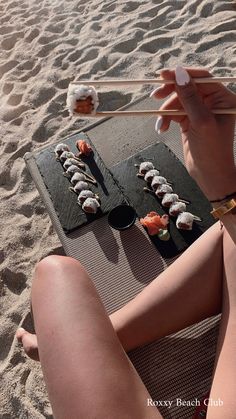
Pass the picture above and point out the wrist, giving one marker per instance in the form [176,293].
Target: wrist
[222,189]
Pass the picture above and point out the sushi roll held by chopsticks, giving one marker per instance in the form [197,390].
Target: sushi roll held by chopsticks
[82,100]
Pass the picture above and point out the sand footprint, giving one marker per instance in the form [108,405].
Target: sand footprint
[108,7]
[20,152]
[153,12]
[32,35]
[130,6]
[58,60]
[14,281]
[14,99]
[63,83]
[44,40]
[7,88]
[9,43]
[47,49]
[31,73]
[26,210]
[95,26]
[205,9]
[8,66]
[14,113]
[126,46]
[32,21]
[59,28]
[4,30]
[12,5]
[88,56]
[26,65]
[155,45]
[10,147]
[17,122]
[42,95]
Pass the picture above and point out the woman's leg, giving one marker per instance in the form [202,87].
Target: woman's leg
[187,292]
[87,372]
[222,403]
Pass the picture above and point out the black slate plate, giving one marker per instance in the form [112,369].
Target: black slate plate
[171,168]
[69,212]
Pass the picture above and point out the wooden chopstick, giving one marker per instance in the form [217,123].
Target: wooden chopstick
[126,82]
[229,111]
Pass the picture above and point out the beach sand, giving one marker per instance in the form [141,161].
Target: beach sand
[43,46]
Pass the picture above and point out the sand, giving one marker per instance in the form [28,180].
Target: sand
[43,46]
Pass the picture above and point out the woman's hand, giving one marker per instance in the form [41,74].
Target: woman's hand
[207,138]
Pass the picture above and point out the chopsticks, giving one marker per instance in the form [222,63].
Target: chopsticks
[127,82]
[229,111]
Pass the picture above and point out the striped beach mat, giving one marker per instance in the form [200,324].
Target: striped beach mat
[177,370]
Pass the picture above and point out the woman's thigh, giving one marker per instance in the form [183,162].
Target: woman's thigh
[87,372]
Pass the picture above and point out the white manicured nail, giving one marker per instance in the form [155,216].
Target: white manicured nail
[182,76]
[155,91]
[158,124]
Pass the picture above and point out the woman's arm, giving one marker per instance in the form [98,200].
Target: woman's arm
[207,138]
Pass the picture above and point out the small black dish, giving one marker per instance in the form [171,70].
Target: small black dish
[122,217]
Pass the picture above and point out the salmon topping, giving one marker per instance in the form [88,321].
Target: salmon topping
[83,147]
[154,222]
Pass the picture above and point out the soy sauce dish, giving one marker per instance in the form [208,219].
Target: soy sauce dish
[122,217]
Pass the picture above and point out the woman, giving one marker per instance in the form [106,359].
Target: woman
[70,318]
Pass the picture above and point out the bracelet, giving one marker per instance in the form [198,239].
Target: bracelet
[232,195]
[224,208]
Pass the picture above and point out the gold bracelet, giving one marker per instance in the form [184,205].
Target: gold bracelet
[224,208]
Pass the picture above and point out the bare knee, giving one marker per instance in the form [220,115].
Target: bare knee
[55,262]
[55,268]
[59,279]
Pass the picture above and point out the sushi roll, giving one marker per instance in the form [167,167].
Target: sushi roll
[176,208]
[90,205]
[150,175]
[72,161]
[80,186]
[77,177]
[66,155]
[60,148]
[72,170]
[163,189]
[185,221]
[145,167]
[157,181]
[82,99]
[169,199]
[86,193]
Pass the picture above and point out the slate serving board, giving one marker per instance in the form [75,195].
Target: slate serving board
[173,170]
[69,212]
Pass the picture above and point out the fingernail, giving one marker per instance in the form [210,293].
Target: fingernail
[155,91]
[182,76]
[158,124]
